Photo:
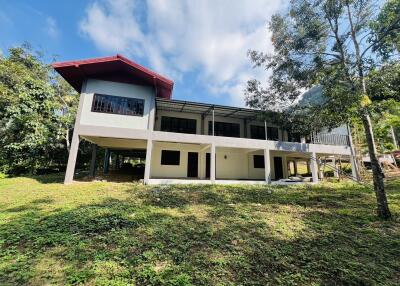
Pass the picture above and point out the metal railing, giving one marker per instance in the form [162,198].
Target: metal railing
[330,139]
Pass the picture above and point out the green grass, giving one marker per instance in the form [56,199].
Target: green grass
[127,234]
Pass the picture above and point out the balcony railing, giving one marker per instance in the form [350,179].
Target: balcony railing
[331,139]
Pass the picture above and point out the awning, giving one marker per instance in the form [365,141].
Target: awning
[207,109]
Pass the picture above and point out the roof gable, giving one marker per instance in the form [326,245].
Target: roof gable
[115,68]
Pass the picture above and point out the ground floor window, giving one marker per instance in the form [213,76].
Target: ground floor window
[169,157]
[259,161]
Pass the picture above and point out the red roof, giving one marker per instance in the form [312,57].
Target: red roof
[115,68]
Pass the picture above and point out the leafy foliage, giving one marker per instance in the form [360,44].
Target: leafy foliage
[314,46]
[128,234]
[34,121]
[335,45]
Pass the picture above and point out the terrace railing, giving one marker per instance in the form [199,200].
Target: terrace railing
[331,139]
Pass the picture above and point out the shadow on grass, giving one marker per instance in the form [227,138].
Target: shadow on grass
[190,235]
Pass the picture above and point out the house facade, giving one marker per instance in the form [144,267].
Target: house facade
[126,107]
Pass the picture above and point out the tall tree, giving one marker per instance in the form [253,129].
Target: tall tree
[334,44]
[32,113]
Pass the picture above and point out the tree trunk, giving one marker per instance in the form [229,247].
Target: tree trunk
[379,187]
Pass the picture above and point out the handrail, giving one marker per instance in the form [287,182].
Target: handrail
[331,139]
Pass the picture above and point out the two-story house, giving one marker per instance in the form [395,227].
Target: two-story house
[125,106]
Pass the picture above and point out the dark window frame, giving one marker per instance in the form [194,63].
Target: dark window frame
[178,125]
[272,133]
[258,162]
[294,137]
[167,158]
[119,105]
[257,132]
[226,129]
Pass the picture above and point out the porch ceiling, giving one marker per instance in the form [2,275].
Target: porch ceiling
[117,143]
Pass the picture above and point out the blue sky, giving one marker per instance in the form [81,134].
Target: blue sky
[201,45]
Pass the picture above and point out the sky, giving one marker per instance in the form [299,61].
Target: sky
[200,44]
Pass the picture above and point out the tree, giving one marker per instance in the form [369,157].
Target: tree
[32,113]
[334,44]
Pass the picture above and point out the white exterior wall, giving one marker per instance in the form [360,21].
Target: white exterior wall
[174,171]
[255,173]
[238,164]
[116,89]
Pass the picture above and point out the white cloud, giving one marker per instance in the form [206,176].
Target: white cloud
[176,36]
[51,27]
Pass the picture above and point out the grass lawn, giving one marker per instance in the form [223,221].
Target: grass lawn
[128,234]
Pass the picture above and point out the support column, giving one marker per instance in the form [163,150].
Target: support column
[285,167]
[213,122]
[267,166]
[106,165]
[394,138]
[73,152]
[295,167]
[147,167]
[92,170]
[117,161]
[152,114]
[212,163]
[320,170]
[202,125]
[336,170]
[354,168]
[314,167]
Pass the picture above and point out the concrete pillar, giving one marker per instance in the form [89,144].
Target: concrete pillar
[320,169]
[106,165]
[314,167]
[73,152]
[336,170]
[117,162]
[92,170]
[212,163]
[147,168]
[213,122]
[267,166]
[285,167]
[354,173]
[266,130]
[394,138]
[295,167]
[201,164]
[202,125]
[152,114]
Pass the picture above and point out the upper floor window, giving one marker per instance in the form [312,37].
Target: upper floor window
[272,133]
[179,125]
[257,132]
[224,129]
[117,105]
[294,137]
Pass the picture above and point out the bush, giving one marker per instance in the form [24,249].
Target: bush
[2,176]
